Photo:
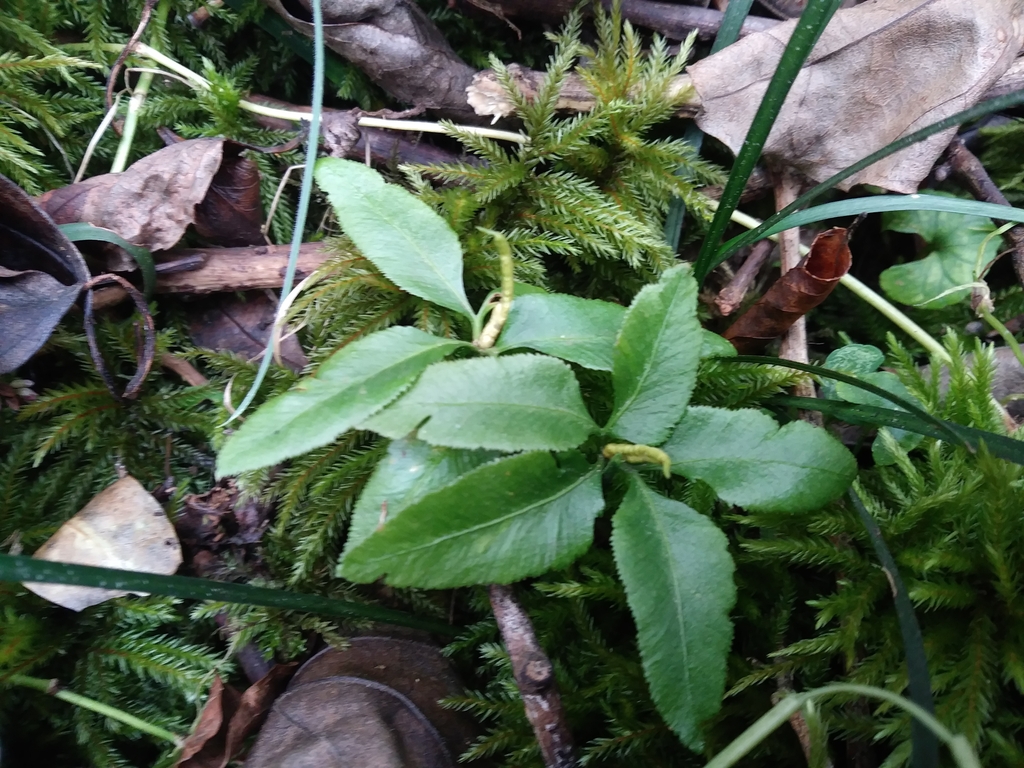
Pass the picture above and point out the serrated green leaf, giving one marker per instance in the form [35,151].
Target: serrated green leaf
[749,461]
[351,386]
[713,345]
[678,574]
[403,237]
[505,521]
[953,243]
[580,330]
[410,470]
[513,403]
[655,358]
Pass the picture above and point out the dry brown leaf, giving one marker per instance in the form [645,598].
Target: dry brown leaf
[880,71]
[231,214]
[229,718]
[150,204]
[123,527]
[207,736]
[200,181]
[794,294]
[242,325]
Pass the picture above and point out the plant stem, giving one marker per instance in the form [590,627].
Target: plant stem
[780,713]
[1003,331]
[419,126]
[883,305]
[485,338]
[859,289]
[131,119]
[49,687]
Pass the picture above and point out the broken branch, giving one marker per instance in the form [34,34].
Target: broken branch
[535,677]
[226,270]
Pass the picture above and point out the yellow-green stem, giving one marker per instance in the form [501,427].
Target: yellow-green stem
[499,315]
[1003,331]
[49,687]
[131,119]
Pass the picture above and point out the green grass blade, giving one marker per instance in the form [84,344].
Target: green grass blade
[960,748]
[980,110]
[945,432]
[808,29]
[305,193]
[883,203]
[14,568]
[925,744]
[79,231]
[1000,446]
[728,34]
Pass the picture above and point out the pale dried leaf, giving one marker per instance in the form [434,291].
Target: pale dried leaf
[880,71]
[123,527]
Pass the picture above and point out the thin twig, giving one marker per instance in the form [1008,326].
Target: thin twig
[147,13]
[675,20]
[970,170]
[732,295]
[144,354]
[794,343]
[185,370]
[535,677]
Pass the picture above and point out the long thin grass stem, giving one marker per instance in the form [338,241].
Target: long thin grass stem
[48,687]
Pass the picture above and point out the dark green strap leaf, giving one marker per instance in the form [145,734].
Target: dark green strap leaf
[29,569]
[80,231]
[808,29]
[925,744]
[728,33]
[771,223]
[942,426]
[970,438]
